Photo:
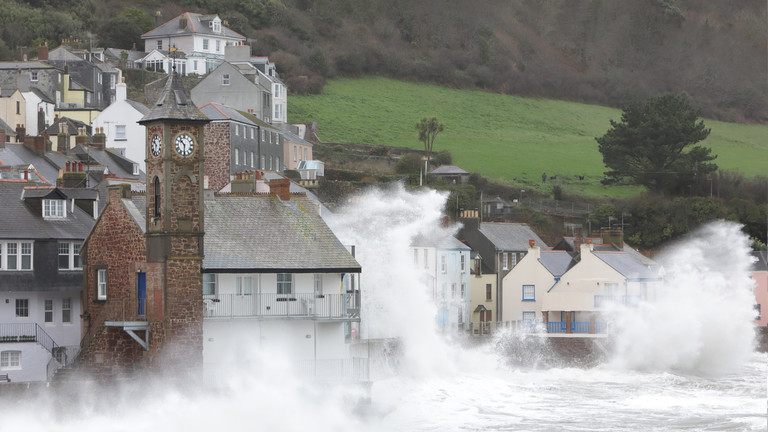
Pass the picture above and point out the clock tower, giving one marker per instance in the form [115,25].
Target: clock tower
[175,223]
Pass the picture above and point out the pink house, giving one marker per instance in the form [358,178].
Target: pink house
[760,275]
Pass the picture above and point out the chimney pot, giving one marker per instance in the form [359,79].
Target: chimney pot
[531,243]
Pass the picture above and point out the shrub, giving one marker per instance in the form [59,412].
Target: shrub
[442,158]
[409,163]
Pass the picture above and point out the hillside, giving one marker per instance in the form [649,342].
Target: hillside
[506,138]
[606,52]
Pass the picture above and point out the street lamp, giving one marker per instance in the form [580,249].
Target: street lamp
[521,195]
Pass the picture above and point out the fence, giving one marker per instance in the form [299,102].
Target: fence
[309,305]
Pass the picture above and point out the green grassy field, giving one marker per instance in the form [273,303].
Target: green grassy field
[505,138]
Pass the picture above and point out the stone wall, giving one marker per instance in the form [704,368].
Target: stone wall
[217,155]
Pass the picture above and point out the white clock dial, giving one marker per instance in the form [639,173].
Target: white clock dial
[184,144]
[156,145]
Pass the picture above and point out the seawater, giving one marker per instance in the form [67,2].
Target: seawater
[682,363]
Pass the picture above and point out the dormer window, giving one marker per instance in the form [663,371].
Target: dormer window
[54,208]
[216,25]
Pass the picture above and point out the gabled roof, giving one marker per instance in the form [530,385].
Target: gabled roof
[24,220]
[627,265]
[174,103]
[291,137]
[556,262]
[449,170]
[510,236]
[195,24]
[138,106]
[260,233]
[73,126]
[6,128]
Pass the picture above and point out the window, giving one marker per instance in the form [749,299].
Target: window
[277,163]
[120,132]
[415,256]
[237,157]
[225,79]
[48,306]
[253,133]
[512,259]
[529,292]
[295,155]
[15,255]
[284,283]
[463,263]
[33,76]
[243,285]
[216,27]
[135,169]
[22,308]
[263,164]
[305,154]
[209,284]
[160,44]
[488,292]
[205,44]
[101,283]
[218,45]
[505,260]
[318,283]
[66,310]
[10,360]
[463,290]
[529,317]
[18,107]
[156,194]
[277,90]
[12,256]
[112,80]
[53,208]
[263,135]
[194,64]
[443,266]
[64,255]
[426,256]
[237,130]
[453,290]
[26,256]
[270,162]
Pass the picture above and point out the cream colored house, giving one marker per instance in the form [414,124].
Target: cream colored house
[13,107]
[569,295]
[482,297]
[527,284]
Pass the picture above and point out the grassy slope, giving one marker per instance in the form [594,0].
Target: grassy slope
[505,138]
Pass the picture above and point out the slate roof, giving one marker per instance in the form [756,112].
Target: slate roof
[556,262]
[217,111]
[24,65]
[261,234]
[8,130]
[627,265]
[8,92]
[174,103]
[138,106]
[72,126]
[23,220]
[510,236]
[196,23]
[761,261]
[449,170]
[291,137]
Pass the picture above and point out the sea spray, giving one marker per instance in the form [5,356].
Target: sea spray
[701,319]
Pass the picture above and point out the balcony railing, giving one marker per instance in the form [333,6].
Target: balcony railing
[626,300]
[556,327]
[580,327]
[27,332]
[300,305]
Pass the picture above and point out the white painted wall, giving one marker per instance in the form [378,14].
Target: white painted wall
[121,113]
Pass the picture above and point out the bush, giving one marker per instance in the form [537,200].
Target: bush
[409,163]
[442,158]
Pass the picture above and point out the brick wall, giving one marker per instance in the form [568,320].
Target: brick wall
[217,155]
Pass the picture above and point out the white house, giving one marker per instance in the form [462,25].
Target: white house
[39,111]
[119,123]
[445,262]
[275,273]
[201,39]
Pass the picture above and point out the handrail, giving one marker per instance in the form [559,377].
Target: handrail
[298,305]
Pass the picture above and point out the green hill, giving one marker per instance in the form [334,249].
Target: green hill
[505,138]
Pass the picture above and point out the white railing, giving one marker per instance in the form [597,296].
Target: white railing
[299,305]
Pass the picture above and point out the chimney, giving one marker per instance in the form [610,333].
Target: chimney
[121,91]
[42,52]
[531,243]
[182,23]
[81,138]
[73,179]
[281,187]
[40,121]
[158,18]
[99,139]
[36,144]
[118,192]
[21,132]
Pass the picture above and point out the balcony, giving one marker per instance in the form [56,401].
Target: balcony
[328,307]
[626,300]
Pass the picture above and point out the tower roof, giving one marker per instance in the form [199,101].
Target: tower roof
[174,103]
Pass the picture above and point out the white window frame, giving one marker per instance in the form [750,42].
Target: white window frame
[33,76]
[54,209]
[70,250]
[48,311]
[66,310]
[284,284]
[463,263]
[443,264]
[225,79]
[22,253]
[237,157]
[218,45]
[10,360]
[244,285]
[209,284]
[112,81]
[505,261]
[277,163]
[159,44]
[101,284]
[22,308]
[205,44]
[120,133]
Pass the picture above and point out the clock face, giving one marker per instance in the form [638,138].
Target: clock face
[156,145]
[184,144]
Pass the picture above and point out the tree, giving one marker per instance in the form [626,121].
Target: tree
[654,145]
[428,130]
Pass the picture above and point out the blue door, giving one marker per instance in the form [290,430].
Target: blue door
[141,292]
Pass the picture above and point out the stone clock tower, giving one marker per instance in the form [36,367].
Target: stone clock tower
[175,224]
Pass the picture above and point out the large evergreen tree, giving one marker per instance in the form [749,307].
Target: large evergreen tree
[654,145]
